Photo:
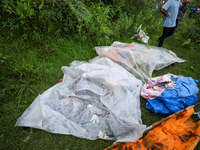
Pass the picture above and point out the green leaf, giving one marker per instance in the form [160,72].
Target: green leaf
[186,42]
[27,138]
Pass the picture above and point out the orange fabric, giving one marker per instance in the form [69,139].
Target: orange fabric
[179,132]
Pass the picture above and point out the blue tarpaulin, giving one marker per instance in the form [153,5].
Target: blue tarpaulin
[173,100]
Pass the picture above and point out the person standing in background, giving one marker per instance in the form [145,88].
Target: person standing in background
[181,15]
[170,11]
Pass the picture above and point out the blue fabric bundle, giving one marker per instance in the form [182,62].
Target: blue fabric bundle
[174,100]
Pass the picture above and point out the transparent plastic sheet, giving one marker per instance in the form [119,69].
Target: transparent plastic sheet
[139,59]
[99,99]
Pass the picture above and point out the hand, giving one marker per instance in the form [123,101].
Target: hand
[164,17]
[187,1]
[182,19]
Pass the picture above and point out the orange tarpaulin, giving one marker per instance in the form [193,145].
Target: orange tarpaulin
[176,132]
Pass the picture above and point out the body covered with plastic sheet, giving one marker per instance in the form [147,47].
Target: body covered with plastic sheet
[139,59]
[99,99]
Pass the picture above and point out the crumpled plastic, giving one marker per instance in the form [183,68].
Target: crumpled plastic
[172,100]
[139,59]
[141,35]
[99,99]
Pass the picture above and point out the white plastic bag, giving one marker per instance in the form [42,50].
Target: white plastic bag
[141,35]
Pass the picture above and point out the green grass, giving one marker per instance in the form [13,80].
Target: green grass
[38,65]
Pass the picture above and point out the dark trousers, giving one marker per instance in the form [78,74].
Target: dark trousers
[166,32]
[178,21]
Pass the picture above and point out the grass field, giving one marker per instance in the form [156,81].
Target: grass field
[39,67]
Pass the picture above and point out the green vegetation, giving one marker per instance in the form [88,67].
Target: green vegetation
[37,38]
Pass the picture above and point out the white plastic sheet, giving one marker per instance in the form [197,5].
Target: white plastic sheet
[139,59]
[99,99]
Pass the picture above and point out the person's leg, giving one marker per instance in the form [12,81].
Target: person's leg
[164,35]
[171,31]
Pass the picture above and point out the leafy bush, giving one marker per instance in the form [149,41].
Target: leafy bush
[101,20]
[36,19]
[194,29]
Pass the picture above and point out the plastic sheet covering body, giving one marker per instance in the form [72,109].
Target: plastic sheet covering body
[139,59]
[179,132]
[99,99]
